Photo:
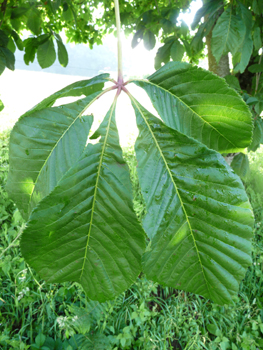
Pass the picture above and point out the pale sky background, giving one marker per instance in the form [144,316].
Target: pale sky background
[22,89]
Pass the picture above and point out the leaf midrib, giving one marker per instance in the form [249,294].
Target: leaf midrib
[96,186]
[176,189]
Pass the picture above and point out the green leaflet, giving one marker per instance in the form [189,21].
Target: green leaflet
[199,104]
[34,20]
[257,135]
[244,55]
[83,87]
[257,38]
[62,54]
[240,164]
[228,34]
[46,54]
[198,214]
[149,40]
[177,51]
[86,229]
[43,147]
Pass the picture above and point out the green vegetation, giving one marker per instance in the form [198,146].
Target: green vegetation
[36,315]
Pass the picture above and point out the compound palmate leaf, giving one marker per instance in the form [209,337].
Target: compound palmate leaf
[201,105]
[86,229]
[45,143]
[77,194]
[198,215]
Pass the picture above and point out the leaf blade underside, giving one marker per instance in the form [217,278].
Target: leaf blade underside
[198,215]
[87,229]
[199,104]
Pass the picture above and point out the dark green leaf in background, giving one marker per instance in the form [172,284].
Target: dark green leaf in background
[11,45]
[184,30]
[18,12]
[240,164]
[177,51]
[18,41]
[163,54]
[257,6]
[3,39]
[62,54]
[87,229]
[198,214]
[34,20]
[197,43]
[30,52]
[137,38]
[233,82]
[257,135]
[242,57]
[8,58]
[228,34]
[16,24]
[209,8]
[31,46]
[2,63]
[259,107]
[68,15]
[246,16]
[257,38]
[255,68]
[149,40]
[46,54]
[200,105]
[168,26]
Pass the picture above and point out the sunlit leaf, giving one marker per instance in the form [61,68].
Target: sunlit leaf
[201,105]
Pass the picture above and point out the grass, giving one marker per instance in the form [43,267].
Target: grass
[36,315]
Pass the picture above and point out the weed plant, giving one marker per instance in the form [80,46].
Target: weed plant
[36,315]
